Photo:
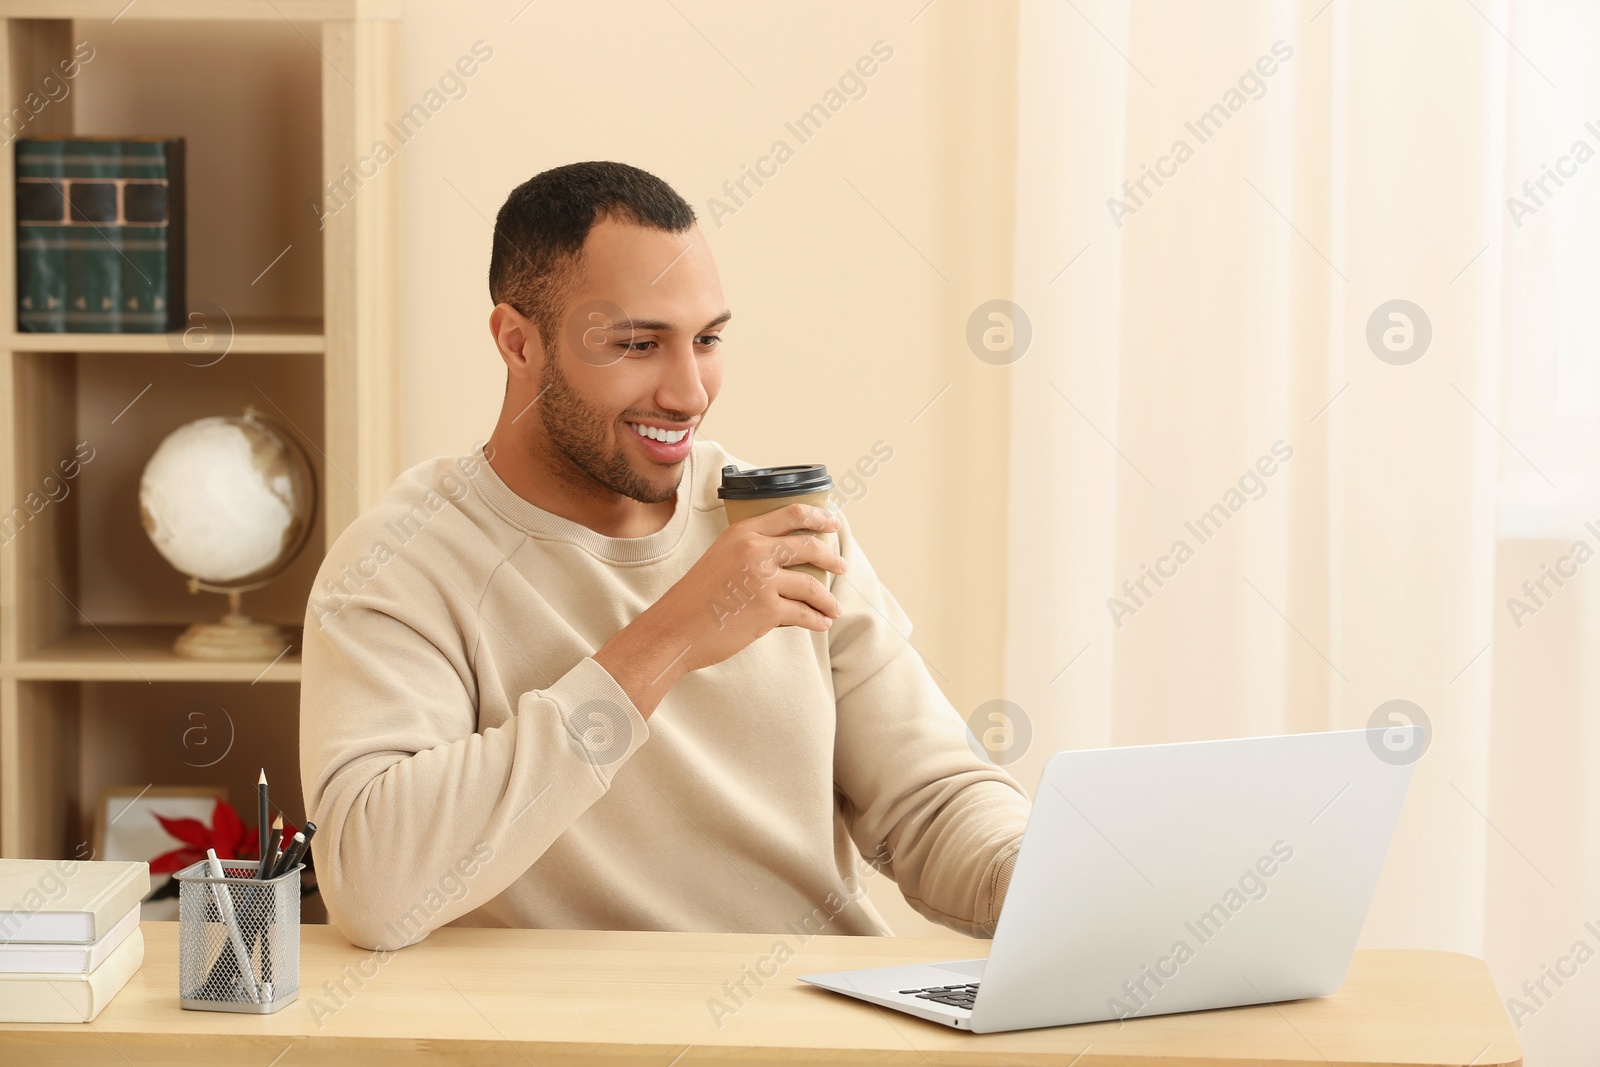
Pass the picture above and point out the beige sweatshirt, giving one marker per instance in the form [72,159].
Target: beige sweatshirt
[467,761]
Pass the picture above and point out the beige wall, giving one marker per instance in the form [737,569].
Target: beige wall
[843,327]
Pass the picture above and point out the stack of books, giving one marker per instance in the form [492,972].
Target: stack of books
[100,234]
[69,936]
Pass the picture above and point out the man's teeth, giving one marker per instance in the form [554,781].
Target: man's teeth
[655,433]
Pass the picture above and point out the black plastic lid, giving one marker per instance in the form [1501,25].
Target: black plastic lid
[764,483]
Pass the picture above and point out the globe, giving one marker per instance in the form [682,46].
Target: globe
[229,502]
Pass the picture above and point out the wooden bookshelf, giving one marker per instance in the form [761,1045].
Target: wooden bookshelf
[75,638]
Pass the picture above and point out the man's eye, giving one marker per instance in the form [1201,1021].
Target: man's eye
[710,340]
[635,346]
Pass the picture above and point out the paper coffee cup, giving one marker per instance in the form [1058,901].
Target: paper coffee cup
[746,494]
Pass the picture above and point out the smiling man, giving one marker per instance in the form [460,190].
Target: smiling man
[547,684]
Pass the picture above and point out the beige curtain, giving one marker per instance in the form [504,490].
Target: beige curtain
[1304,407]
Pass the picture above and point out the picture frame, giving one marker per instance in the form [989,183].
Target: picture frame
[125,829]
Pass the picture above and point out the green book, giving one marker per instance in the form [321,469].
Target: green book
[100,235]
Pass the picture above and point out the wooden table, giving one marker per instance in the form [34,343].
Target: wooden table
[538,997]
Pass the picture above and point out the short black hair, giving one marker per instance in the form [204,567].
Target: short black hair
[540,231]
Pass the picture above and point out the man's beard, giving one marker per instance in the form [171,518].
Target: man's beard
[578,432]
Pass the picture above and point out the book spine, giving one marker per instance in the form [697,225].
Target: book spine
[94,282]
[150,274]
[40,238]
[94,250]
[41,279]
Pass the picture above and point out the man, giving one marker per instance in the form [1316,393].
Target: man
[547,684]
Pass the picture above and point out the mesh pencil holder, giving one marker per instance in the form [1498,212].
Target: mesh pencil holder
[238,938]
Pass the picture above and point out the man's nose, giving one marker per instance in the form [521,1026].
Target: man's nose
[680,388]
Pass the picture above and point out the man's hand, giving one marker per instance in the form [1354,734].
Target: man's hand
[732,595]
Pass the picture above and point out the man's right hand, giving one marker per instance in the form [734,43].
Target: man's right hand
[734,593]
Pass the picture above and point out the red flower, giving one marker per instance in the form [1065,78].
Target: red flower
[227,834]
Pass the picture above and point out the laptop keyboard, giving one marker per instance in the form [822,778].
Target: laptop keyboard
[956,996]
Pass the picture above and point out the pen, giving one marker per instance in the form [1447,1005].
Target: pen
[296,852]
[263,831]
[225,908]
[287,859]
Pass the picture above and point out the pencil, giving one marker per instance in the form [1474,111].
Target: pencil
[263,831]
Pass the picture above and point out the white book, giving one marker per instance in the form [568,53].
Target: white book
[67,900]
[70,998]
[52,958]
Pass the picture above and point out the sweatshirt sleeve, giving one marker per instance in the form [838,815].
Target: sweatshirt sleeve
[911,789]
[422,818]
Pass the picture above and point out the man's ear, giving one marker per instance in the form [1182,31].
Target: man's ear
[518,340]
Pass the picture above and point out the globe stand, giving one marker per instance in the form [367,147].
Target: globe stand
[236,636]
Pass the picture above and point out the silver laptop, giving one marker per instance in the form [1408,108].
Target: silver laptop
[1171,878]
